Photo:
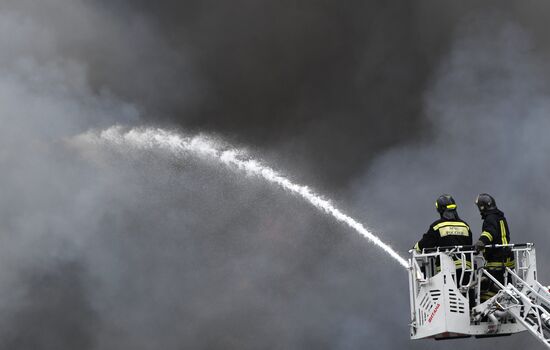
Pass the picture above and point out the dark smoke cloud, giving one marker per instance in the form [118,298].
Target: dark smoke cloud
[371,100]
[291,75]
[488,104]
[282,75]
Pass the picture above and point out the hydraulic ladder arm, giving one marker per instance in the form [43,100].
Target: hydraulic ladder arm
[527,304]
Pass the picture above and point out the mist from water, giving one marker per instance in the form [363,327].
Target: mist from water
[144,139]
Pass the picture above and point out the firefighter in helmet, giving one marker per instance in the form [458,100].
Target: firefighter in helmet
[448,230]
[494,231]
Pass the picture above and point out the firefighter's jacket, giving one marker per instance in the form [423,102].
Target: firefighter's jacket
[443,233]
[495,231]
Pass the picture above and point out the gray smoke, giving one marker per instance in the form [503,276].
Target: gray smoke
[382,104]
[488,105]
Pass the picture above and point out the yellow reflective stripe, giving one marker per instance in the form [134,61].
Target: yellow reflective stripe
[459,263]
[509,263]
[488,235]
[485,295]
[417,247]
[449,223]
[503,232]
[451,206]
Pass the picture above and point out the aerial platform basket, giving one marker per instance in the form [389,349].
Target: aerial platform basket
[445,289]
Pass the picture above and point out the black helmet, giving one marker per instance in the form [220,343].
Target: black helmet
[485,202]
[445,202]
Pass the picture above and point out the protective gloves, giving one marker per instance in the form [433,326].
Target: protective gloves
[479,246]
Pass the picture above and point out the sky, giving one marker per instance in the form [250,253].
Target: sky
[381,106]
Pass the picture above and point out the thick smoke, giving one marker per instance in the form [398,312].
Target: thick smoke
[488,105]
[279,75]
[143,251]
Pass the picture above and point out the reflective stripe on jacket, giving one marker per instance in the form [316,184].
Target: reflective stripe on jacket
[444,233]
[495,231]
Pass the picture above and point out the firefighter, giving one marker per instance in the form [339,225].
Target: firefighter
[449,230]
[494,231]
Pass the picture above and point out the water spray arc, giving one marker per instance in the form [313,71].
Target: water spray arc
[154,138]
